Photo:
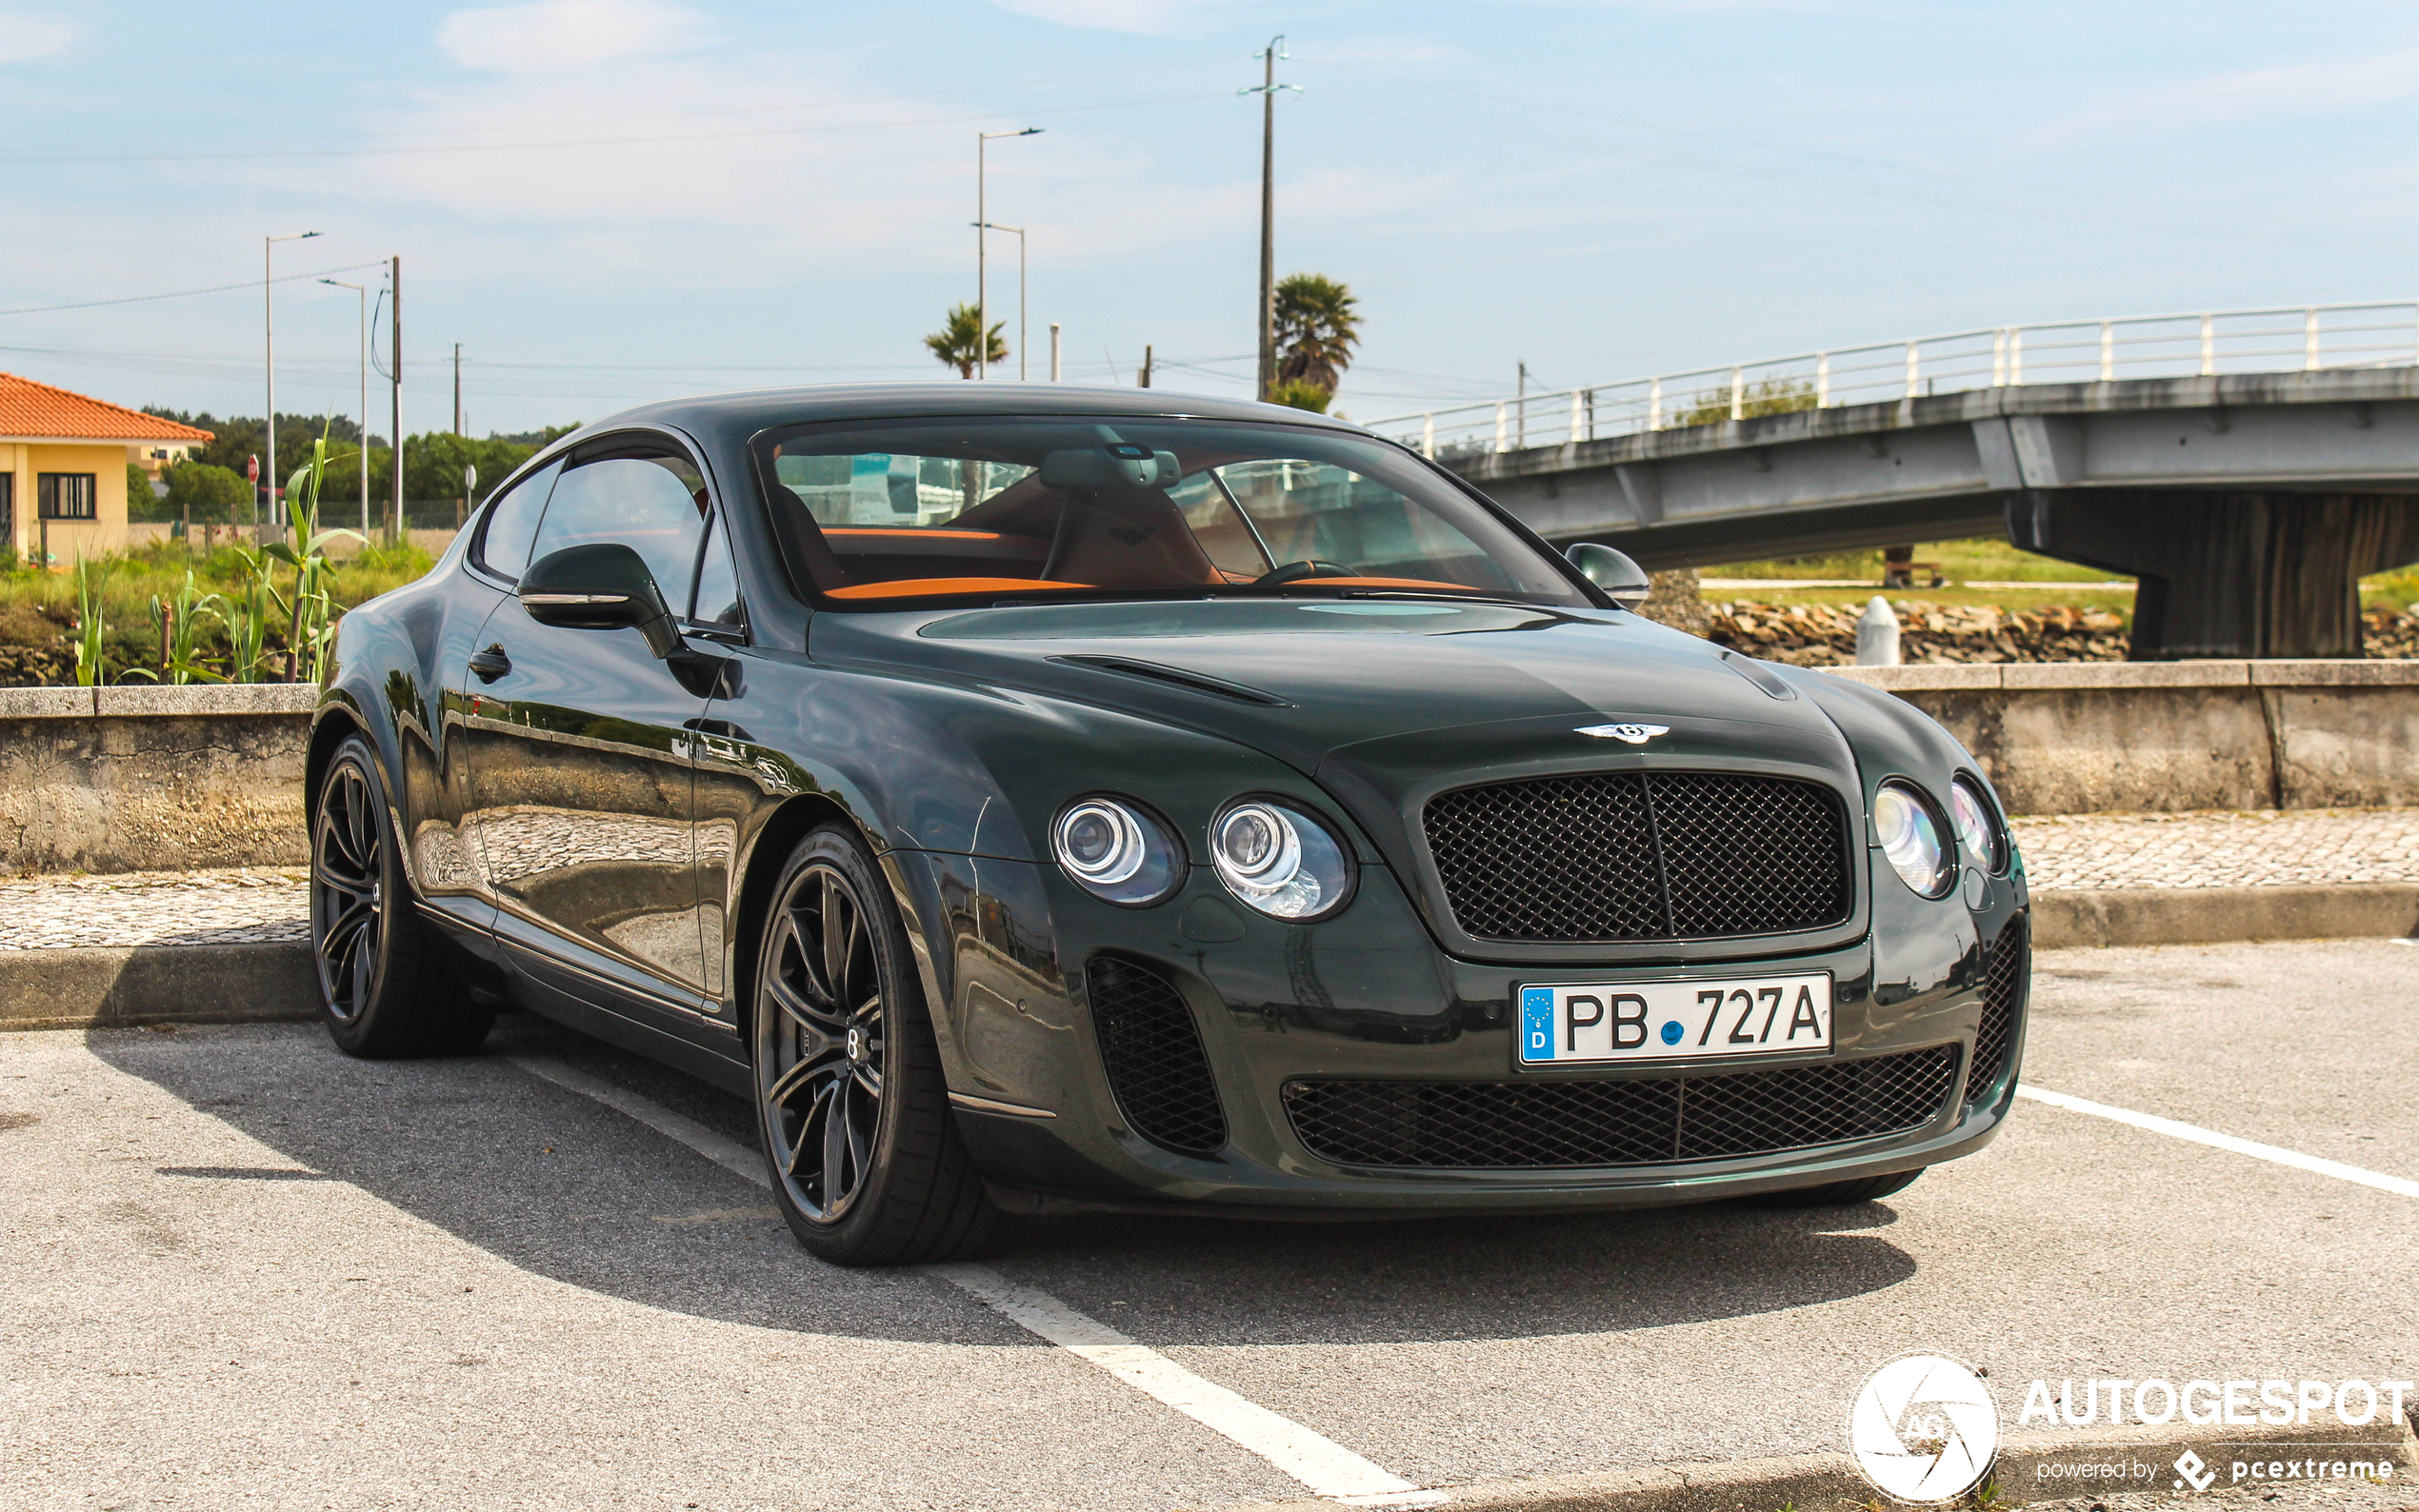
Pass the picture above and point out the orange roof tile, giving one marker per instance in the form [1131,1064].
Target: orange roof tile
[32,409]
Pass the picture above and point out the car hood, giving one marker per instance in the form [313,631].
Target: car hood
[1388,695]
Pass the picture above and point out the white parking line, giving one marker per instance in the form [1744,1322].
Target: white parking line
[1327,1467]
[2399,1186]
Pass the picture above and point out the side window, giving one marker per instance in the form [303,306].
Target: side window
[655,505]
[511,523]
[717,583]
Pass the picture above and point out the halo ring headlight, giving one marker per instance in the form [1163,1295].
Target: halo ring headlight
[1909,832]
[1116,852]
[1279,860]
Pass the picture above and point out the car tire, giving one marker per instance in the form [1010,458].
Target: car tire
[384,989]
[852,1110]
[1839,1194]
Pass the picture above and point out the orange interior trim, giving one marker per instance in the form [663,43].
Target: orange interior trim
[1375,583]
[919,534]
[919,587]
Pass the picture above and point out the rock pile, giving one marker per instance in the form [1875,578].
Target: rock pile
[1825,634]
[37,665]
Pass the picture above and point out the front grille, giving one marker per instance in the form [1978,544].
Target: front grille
[1152,1049]
[1615,856]
[2005,986]
[1537,1124]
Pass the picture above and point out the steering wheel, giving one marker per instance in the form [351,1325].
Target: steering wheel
[1296,572]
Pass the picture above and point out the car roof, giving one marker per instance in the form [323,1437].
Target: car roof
[744,413]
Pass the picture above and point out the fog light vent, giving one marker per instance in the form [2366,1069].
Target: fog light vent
[1152,1049]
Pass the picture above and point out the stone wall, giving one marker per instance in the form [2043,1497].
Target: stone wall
[152,779]
[2164,737]
[161,779]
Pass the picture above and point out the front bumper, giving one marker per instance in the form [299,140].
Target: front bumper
[1368,997]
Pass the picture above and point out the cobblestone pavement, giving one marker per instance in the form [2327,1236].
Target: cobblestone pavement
[2264,848]
[2067,852]
[155,907]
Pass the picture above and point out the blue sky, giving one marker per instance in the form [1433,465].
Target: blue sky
[608,201]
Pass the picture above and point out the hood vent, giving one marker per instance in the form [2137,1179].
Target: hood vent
[1177,677]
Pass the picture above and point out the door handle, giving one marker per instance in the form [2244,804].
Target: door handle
[491,663]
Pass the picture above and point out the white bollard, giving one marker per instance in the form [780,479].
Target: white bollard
[1877,635]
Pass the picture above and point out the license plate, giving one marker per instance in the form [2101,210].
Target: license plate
[1673,1021]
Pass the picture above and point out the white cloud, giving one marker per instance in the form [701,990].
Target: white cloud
[2252,94]
[1147,17]
[24,37]
[552,36]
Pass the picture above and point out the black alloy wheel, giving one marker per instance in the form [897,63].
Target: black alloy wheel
[852,1104]
[383,988]
[347,868]
[823,1099]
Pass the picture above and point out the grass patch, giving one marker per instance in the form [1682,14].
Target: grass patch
[38,607]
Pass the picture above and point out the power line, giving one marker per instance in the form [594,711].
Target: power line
[186,293]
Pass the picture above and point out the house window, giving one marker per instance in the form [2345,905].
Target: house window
[8,509]
[65,495]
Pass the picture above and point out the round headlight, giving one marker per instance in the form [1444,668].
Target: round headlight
[1280,860]
[1910,838]
[1116,852]
[1971,812]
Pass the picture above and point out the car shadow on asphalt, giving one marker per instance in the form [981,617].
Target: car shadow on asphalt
[564,1188]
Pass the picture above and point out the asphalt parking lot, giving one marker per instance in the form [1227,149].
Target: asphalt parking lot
[237,1269]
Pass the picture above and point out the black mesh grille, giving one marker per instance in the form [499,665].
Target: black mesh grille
[2004,987]
[1636,1122]
[1152,1051]
[1613,856]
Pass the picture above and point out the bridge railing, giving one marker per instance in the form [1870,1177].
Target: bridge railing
[2304,338]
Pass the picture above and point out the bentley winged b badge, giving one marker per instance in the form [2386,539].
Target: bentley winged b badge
[1634,734]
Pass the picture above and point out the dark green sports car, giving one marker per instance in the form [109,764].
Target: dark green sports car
[1042,799]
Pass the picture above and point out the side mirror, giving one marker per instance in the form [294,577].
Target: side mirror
[604,586]
[1623,580]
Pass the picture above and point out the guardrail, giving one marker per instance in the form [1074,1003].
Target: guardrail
[2288,338]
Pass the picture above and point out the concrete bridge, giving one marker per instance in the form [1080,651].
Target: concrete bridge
[2248,492]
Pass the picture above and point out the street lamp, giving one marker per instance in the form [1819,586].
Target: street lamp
[363,447]
[982,247]
[1017,231]
[268,365]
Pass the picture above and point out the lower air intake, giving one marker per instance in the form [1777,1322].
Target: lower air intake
[1152,1049]
[2005,985]
[1545,1125]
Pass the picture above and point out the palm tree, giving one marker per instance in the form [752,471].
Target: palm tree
[1317,327]
[954,343]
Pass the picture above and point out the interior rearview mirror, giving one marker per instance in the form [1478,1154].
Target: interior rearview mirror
[604,586]
[1623,580]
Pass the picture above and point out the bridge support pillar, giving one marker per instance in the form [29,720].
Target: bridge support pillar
[2228,574]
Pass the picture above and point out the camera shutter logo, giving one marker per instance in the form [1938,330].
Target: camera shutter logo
[1923,1429]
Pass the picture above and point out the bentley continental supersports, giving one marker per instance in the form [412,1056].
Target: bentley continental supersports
[1039,800]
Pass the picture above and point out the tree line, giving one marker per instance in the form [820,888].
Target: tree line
[209,487]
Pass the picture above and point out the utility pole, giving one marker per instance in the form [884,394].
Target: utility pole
[394,356]
[1145,383]
[983,245]
[457,388]
[1267,91]
[1522,392]
[1053,351]
[268,369]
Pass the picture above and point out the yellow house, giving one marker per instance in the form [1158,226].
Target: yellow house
[63,468]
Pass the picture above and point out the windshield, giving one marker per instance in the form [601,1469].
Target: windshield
[1025,507]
